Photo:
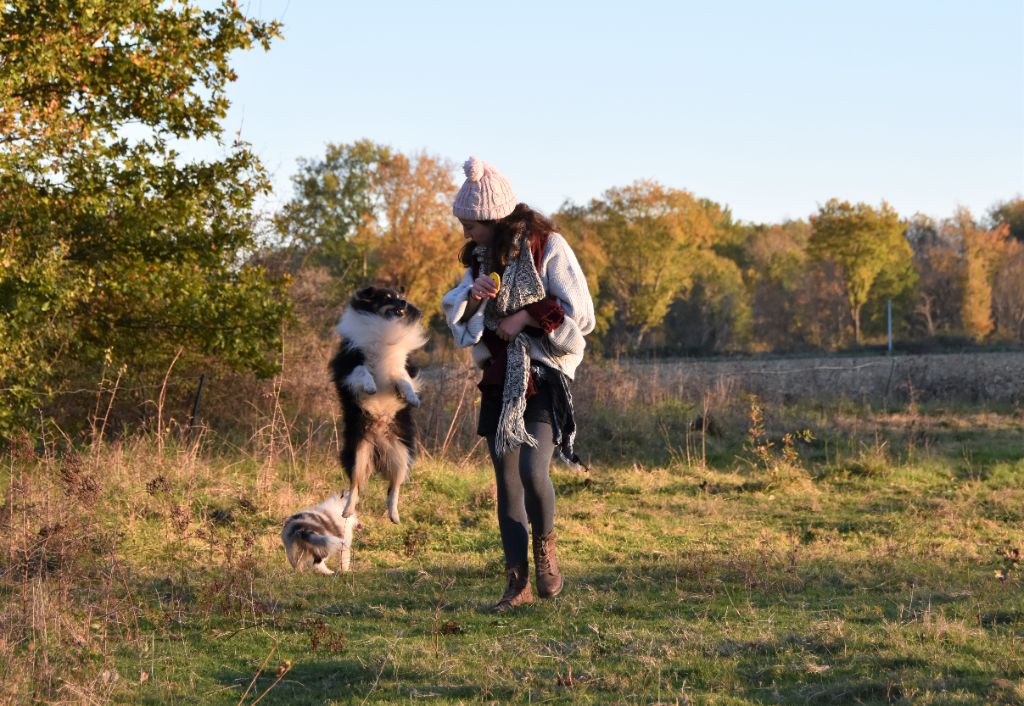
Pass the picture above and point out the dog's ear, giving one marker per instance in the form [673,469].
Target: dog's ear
[365,293]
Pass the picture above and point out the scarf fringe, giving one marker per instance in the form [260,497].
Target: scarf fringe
[512,430]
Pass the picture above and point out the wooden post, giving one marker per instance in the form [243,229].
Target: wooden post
[195,403]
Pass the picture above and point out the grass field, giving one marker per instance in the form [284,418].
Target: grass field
[869,561]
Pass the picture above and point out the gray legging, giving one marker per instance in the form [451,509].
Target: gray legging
[525,492]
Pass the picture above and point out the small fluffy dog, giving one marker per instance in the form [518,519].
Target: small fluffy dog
[317,533]
[377,388]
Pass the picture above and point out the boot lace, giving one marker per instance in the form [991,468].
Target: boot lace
[543,559]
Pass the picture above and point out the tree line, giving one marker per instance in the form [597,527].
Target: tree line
[675,273]
[118,255]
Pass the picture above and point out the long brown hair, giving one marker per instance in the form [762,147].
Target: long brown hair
[503,247]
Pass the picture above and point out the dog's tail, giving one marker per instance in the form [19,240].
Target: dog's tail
[302,542]
[321,546]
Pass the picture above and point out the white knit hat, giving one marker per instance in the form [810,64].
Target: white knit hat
[485,196]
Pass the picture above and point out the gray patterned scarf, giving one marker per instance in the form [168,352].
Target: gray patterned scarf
[520,285]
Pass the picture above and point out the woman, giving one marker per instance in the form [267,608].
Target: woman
[526,327]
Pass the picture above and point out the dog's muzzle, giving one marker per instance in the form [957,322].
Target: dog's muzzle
[403,310]
[398,311]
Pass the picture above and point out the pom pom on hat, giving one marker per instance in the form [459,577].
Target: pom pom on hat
[486,195]
[474,168]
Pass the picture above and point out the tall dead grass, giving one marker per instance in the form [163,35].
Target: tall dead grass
[89,536]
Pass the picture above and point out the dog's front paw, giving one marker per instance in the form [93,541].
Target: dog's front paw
[360,380]
[407,393]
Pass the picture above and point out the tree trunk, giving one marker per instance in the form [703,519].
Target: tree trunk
[925,309]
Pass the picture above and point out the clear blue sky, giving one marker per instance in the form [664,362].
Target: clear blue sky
[768,107]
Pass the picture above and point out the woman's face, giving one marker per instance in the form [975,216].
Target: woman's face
[480,233]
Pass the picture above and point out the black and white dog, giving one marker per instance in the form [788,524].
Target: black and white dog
[377,388]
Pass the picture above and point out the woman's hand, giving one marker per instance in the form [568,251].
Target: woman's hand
[512,326]
[483,288]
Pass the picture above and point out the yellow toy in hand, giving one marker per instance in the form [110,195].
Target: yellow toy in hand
[497,279]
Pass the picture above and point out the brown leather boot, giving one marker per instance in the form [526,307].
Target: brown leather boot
[545,562]
[518,590]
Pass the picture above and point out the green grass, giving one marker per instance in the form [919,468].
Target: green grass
[863,572]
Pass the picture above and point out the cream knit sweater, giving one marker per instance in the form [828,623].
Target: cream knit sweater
[563,279]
